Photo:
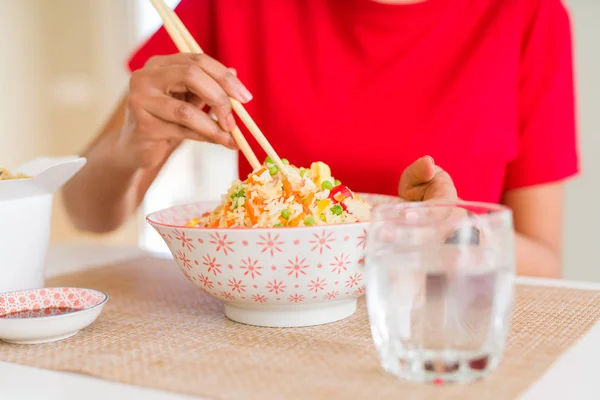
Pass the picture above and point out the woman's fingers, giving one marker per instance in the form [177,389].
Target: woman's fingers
[423,180]
[199,126]
[198,74]
[226,77]
[176,90]
[194,100]
[187,78]
[441,187]
[420,171]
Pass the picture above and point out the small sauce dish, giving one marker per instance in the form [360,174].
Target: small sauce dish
[48,314]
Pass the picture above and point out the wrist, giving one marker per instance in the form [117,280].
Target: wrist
[113,155]
[108,162]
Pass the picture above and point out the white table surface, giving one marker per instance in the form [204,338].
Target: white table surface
[573,376]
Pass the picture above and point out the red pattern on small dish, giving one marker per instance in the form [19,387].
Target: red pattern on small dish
[76,298]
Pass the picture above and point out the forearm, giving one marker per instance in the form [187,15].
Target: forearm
[103,195]
[535,259]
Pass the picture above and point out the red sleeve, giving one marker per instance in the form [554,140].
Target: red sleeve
[547,137]
[195,15]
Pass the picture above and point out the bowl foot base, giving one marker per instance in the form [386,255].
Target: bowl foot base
[291,315]
[40,340]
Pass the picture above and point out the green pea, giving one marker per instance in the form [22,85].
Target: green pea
[326,185]
[337,209]
[322,218]
[304,173]
[285,214]
[268,160]
[279,226]
[241,193]
[285,161]
[273,170]
[337,182]
[309,221]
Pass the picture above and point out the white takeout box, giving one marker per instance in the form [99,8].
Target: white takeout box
[25,214]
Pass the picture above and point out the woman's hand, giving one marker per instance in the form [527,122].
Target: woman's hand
[165,106]
[423,180]
[537,215]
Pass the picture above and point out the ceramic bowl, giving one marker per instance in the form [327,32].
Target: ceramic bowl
[276,277]
[48,314]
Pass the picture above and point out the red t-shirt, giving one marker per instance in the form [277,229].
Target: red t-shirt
[483,86]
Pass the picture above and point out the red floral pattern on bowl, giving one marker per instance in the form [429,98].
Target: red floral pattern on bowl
[278,277]
[47,314]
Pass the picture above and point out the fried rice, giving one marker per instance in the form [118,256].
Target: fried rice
[267,199]
[6,175]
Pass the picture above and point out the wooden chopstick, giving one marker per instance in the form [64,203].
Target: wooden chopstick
[237,106]
[184,40]
[183,45]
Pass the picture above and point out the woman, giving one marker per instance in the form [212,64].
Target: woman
[484,87]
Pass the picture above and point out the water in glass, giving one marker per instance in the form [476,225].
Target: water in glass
[440,289]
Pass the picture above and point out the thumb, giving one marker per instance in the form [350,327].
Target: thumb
[420,172]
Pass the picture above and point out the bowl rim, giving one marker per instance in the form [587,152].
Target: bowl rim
[153,222]
[77,311]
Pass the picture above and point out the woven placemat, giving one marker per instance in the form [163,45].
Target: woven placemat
[159,331]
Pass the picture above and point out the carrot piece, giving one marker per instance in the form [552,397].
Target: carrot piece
[250,178]
[297,220]
[287,189]
[306,209]
[250,213]
[307,202]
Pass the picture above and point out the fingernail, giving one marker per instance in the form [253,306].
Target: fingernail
[245,94]
[230,122]
[431,159]
[233,71]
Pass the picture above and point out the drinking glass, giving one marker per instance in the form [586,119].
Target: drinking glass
[440,288]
